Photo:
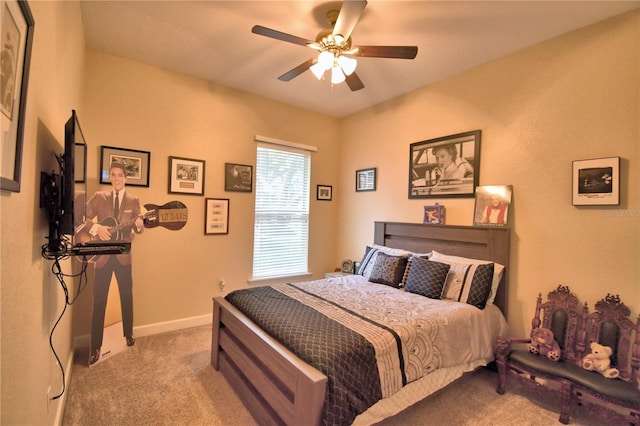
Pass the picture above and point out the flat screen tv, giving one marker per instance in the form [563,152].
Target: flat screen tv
[72,136]
[58,190]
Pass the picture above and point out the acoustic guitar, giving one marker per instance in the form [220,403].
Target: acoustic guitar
[172,215]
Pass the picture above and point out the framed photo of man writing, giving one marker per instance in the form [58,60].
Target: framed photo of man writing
[492,205]
[445,167]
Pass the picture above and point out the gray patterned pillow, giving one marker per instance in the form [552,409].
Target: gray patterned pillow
[426,277]
[477,285]
[388,269]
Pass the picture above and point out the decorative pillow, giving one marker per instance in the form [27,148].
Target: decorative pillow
[454,281]
[388,269]
[498,269]
[405,277]
[477,285]
[426,277]
[370,254]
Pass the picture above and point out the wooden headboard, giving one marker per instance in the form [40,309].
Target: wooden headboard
[467,241]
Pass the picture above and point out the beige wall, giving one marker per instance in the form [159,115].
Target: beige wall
[31,297]
[571,98]
[134,106]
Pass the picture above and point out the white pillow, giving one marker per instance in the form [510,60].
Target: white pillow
[498,270]
[391,251]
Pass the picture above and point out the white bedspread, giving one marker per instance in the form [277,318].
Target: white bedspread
[435,334]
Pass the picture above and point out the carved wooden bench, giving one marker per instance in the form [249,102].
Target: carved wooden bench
[614,400]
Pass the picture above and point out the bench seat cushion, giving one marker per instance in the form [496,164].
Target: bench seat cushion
[589,380]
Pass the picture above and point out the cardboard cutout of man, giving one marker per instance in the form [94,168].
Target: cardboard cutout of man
[125,208]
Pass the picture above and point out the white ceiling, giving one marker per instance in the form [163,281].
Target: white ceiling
[212,40]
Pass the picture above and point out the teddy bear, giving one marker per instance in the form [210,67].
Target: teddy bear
[599,360]
[543,343]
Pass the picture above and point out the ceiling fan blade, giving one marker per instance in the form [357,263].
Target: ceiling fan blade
[354,82]
[398,52]
[290,75]
[350,14]
[279,35]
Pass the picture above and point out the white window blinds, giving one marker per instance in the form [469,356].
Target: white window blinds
[281,229]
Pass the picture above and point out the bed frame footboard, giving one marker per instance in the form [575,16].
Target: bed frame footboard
[274,384]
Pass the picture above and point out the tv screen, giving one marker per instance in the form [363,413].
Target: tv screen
[73,137]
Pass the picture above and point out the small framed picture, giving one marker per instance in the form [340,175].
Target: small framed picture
[238,177]
[324,192]
[186,176]
[492,205]
[434,215]
[596,182]
[366,180]
[135,162]
[216,216]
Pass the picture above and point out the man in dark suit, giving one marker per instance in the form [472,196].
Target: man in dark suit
[125,208]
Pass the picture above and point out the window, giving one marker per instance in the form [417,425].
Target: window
[281,228]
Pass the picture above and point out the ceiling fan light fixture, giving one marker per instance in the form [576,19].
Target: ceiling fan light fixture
[318,70]
[325,59]
[337,76]
[347,64]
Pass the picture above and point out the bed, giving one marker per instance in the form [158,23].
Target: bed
[279,387]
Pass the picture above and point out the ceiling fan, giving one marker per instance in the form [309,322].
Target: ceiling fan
[336,50]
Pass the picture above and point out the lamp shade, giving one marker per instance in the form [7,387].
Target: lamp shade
[318,70]
[337,76]
[347,64]
[325,59]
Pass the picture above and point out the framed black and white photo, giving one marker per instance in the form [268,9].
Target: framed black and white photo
[238,177]
[492,205]
[216,216]
[366,180]
[136,164]
[324,193]
[15,49]
[186,176]
[596,182]
[448,166]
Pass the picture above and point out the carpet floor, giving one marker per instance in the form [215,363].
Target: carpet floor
[167,379]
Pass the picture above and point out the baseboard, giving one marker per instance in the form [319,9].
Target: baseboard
[157,328]
[63,398]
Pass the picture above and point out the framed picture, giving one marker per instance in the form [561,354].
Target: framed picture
[434,215]
[324,192]
[366,180]
[216,216]
[492,205]
[80,162]
[448,166]
[186,176]
[16,41]
[238,177]
[135,162]
[596,182]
